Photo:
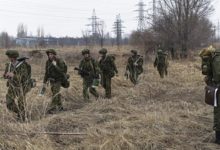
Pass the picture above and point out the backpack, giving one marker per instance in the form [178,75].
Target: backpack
[65,82]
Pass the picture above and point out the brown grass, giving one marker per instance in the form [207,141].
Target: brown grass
[157,114]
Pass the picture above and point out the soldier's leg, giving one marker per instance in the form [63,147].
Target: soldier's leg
[10,100]
[85,91]
[22,105]
[56,96]
[108,87]
[217,123]
[93,92]
[132,77]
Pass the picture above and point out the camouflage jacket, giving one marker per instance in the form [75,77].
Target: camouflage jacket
[21,74]
[89,66]
[161,59]
[107,65]
[55,73]
[135,59]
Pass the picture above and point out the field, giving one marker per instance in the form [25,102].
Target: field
[157,114]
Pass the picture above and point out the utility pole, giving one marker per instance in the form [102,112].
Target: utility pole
[218,31]
[141,16]
[118,30]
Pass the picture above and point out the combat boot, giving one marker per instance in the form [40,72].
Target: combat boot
[217,137]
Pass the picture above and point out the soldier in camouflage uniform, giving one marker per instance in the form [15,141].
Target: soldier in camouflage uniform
[89,65]
[134,67]
[54,74]
[161,63]
[108,70]
[211,81]
[17,74]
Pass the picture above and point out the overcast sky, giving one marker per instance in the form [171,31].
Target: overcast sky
[69,17]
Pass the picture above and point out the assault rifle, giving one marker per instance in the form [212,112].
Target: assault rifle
[85,73]
[22,58]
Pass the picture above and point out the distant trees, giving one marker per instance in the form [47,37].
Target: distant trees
[5,40]
[181,22]
[21,30]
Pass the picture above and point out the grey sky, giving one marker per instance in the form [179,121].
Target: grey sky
[69,17]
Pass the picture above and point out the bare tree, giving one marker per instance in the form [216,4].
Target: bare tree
[21,30]
[5,41]
[86,37]
[178,22]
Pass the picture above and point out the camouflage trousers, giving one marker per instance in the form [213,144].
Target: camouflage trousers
[19,94]
[133,77]
[56,96]
[87,86]
[106,83]
[216,118]
[162,70]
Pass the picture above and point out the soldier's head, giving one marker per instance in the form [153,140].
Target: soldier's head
[103,52]
[134,52]
[12,55]
[86,53]
[51,53]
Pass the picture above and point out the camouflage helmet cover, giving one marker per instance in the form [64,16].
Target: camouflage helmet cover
[85,51]
[12,53]
[52,51]
[103,51]
[134,51]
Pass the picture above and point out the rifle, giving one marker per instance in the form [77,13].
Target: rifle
[86,73]
[82,72]
[22,58]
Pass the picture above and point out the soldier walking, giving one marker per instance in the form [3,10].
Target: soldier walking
[54,74]
[134,67]
[108,71]
[89,72]
[17,73]
[161,63]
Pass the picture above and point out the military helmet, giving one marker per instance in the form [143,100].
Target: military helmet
[52,51]
[12,53]
[85,51]
[103,51]
[134,52]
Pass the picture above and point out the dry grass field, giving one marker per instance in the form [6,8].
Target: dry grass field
[157,114]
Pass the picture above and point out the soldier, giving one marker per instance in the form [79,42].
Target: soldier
[134,67]
[89,72]
[161,63]
[17,73]
[108,70]
[54,74]
[211,69]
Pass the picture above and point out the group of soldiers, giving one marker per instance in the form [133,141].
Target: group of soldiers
[19,81]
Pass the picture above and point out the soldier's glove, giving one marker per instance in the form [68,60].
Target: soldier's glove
[54,63]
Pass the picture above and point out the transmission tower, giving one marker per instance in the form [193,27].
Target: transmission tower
[141,17]
[94,23]
[118,29]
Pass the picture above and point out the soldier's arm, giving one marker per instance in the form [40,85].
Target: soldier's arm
[46,73]
[60,67]
[6,70]
[155,62]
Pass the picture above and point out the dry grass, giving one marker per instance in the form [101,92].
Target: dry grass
[157,114]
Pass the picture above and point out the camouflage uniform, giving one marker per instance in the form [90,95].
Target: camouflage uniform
[108,70]
[134,66]
[17,85]
[89,65]
[54,74]
[161,63]
[209,80]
